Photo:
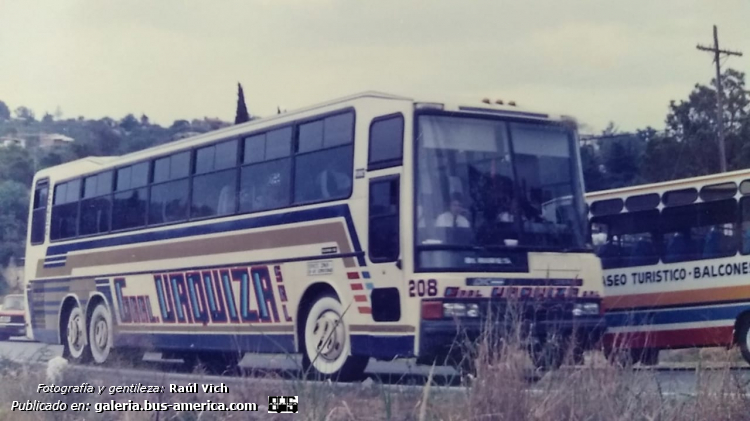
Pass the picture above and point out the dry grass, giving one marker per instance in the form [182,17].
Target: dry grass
[501,390]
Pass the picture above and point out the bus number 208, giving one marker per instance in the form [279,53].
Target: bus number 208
[421,288]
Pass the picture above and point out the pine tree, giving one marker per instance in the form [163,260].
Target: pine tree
[241,115]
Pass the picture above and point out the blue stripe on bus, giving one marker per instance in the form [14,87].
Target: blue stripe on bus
[695,314]
[50,289]
[209,342]
[54,265]
[107,292]
[54,281]
[306,215]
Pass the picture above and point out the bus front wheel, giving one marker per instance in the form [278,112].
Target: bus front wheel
[100,334]
[327,344]
[75,342]
[743,338]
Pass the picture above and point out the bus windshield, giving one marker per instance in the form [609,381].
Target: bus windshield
[488,184]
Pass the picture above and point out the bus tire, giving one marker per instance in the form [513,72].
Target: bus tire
[327,344]
[549,353]
[75,341]
[218,363]
[743,338]
[645,356]
[101,336]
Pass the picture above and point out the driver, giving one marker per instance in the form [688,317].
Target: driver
[454,216]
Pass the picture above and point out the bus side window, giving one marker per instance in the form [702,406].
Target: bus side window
[386,142]
[627,239]
[700,231]
[39,212]
[745,212]
[324,162]
[384,220]
[606,243]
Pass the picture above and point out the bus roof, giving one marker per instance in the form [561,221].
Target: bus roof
[684,182]
[92,164]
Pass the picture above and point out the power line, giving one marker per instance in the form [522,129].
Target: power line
[719,93]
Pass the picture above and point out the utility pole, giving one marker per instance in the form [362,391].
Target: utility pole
[719,93]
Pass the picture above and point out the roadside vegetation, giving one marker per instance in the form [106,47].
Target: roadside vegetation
[504,386]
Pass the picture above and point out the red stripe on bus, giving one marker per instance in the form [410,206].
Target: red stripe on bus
[352,275]
[360,298]
[365,310]
[684,297]
[705,336]
[357,287]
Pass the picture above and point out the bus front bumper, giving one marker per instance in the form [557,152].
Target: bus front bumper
[440,338]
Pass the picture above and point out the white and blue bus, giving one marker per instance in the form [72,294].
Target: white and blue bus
[676,266]
[372,226]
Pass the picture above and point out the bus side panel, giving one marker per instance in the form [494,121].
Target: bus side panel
[676,305]
[47,302]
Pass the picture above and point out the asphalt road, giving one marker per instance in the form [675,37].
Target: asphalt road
[670,381]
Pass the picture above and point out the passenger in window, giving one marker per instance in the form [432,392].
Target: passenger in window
[642,252]
[454,216]
[610,253]
[507,210]
[272,194]
[246,199]
[226,201]
[680,247]
[420,217]
[334,183]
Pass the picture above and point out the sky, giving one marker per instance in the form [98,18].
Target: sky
[597,60]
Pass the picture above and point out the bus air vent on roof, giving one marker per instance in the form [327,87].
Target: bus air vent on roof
[504,112]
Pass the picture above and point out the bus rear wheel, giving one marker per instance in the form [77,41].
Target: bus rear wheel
[75,341]
[101,336]
[326,344]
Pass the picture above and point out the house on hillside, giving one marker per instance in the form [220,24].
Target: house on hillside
[8,141]
[48,140]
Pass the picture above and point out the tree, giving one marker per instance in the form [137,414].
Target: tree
[241,116]
[621,156]
[25,114]
[16,164]
[693,123]
[14,203]
[592,169]
[129,123]
[4,112]
[180,125]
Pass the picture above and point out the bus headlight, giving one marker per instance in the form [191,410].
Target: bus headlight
[586,309]
[460,309]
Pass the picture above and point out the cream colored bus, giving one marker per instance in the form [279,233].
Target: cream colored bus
[372,226]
